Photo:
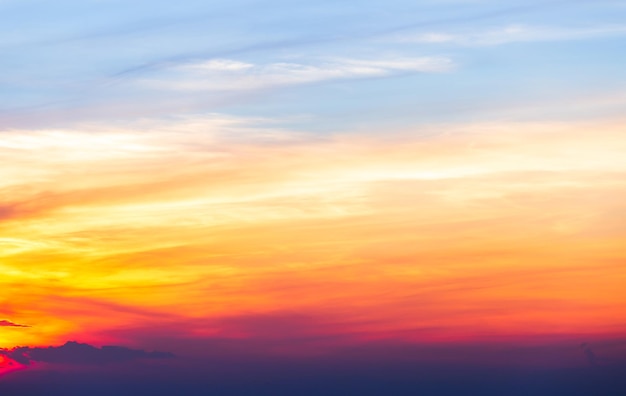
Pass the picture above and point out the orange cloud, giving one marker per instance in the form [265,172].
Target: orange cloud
[447,233]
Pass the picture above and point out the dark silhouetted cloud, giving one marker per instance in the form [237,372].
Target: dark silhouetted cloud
[7,323]
[591,357]
[81,354]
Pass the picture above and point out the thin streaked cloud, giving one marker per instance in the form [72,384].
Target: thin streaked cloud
[514,33]
[233,75]
[249,180]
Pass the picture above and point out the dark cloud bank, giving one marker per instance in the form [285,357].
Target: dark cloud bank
[80,354]
[287,355]
[367,370]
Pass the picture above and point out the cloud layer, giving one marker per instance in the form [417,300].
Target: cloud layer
[228,75]
[80,354]
[514,33]
[421,235]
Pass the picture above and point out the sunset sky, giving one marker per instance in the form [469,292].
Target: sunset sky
[411,182]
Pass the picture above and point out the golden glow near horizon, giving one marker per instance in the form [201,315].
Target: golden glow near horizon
[497,229]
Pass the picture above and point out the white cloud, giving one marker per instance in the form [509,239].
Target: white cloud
[219,65]
[232,75]
[513,34]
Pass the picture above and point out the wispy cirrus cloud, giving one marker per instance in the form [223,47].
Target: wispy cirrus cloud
[234,75]
[194,211]
[514,33]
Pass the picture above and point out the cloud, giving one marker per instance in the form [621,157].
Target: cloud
[375,369]
[76,353]
[591,357]
[6,323]
[6,212]
[354,36]
[388,229]
[233,75]
[515,33]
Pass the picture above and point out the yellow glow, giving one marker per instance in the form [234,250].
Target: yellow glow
[507,229]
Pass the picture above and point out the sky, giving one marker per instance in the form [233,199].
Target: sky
[334,197]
